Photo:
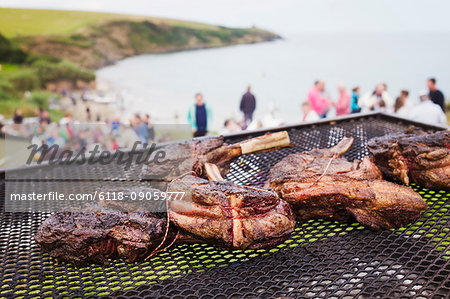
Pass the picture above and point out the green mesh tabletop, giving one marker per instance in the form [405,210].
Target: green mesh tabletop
[320,259]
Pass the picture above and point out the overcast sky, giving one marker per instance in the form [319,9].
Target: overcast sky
[282,16]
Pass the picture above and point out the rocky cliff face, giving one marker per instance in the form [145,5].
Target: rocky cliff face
[102,44]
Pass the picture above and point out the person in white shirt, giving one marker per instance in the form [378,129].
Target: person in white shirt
[378,100]
[427,111]
[230,126]
[308,114]
[402,105]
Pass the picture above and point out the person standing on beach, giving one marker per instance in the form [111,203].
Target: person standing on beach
[402,105]
[308,114]
[378,100]
[140,128]
[199,116]
[343,103]
[18,117]
[319,104]
[355,98]
[427,111]
[45,116]
[115,125]
[248,106]
[150,128]
[435,94]
[88,113]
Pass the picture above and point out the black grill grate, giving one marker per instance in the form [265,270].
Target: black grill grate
[321,259]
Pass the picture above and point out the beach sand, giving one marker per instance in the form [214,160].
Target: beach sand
[99,111]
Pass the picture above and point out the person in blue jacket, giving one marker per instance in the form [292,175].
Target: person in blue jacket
[199,116]
[355,97]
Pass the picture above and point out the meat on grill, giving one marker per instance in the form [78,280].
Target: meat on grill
[191,156]
[419,157]
[94,234]
[223,214]
[320,184]
[229,215]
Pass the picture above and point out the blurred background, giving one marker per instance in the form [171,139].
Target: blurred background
[100,61]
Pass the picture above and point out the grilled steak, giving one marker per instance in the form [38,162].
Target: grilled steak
[94,234]
[320,184]
[422,158]
[191,156]
[221,213]
[229,215]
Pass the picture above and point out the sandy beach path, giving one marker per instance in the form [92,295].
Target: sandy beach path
[99,111]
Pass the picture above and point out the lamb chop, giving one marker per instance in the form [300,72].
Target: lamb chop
[229,215]
[93,234]
[321,184]
[419,157]
[191,156]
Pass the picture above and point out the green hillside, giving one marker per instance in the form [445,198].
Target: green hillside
[93,40]
[25,22]
[40,49]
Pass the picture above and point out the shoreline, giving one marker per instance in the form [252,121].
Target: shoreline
[105,43]
[188,49]
[106,85]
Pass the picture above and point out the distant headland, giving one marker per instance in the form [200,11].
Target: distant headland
[93,40]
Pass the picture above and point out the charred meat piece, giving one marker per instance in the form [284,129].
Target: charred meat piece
[192,155]
[94,234]
[229,215]
[179,159]
[422,158]
[320,184]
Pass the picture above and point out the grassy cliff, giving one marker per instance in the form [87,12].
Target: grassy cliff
[93,40]
[39,48]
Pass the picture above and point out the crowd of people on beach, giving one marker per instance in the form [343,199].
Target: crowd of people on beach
[73,135]
[69,134]
[114,134]
[430,109]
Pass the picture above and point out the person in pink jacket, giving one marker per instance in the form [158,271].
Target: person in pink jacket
[343,103]
[319,103]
